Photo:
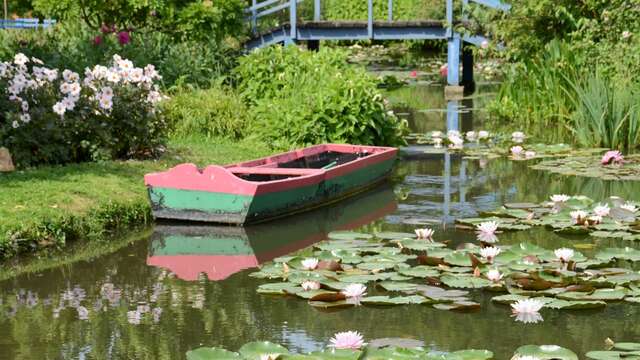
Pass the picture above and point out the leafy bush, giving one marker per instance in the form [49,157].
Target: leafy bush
[193,20]
[299,98]
[46,118]
[212,112]
[72,45]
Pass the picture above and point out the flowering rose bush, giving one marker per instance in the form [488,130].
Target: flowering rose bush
[53,117]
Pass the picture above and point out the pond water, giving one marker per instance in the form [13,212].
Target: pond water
[186,286]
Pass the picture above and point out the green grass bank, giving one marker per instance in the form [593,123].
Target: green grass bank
[50,207]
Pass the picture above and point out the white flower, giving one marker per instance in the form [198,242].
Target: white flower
[153,97]
[269,356]
[436,134]
[456,142]
[517,150]
[59,108]
[437,142]
[487,238]
[424,233]
[65,88]
[602,210]
[106,103]
[482,134]
[494,275]
[125,64]
[36,60]
[69,103]
[106,92]
[487,227]
[310,285]
[596,219]
[51,74]
[529,154]
[578,216]
[527,306]
[20,59]
[354,290]
[136,75]
[629,207]
[347,340]
[15,124]
[113,77]
[25,118]
[490,253]
[310,263]
[484,44]
[564,254]
[70,76]
[150,72]
[560,198]
[626,34]
[517,136]
[471,135]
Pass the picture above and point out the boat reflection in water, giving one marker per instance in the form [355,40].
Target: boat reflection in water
[220,251]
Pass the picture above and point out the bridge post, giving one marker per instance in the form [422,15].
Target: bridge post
[293,19]
[453,60]
[390,11]
[254,16]
[370,19]
[316,10]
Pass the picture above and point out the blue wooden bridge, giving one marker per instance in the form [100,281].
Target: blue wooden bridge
[316,29]
[26,23]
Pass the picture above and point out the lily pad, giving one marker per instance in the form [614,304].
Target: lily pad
[212,354]
[397,342]
[573,305]
[546,352]
[349,235]
[399,300]
[254,350]
[465,282]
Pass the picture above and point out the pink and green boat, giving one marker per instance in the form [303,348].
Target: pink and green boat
[270,187]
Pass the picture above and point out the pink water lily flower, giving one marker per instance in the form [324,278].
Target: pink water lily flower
[612,157]
[354,291]
[487,227]
[347,340]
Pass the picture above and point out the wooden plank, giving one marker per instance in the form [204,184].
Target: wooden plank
[274,171]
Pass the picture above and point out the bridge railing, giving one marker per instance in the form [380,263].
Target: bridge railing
[26,23]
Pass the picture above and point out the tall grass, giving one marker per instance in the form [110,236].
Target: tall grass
[554,97]
[607,112]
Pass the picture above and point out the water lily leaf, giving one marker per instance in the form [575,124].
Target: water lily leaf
[393,352]
[332,305]
[627,346]
[440,294]
[389,235]
[337,354]
[349,235]
[376,266]
[397,286]
[546,352]
[474,354]
[523,205]
[328,296]
[420,245]
[313,293]
[604,355]
[458,306]
[508,299]
[211,354]
[635,300]
[458,258]
[398,342]
[254,350]
[575,305]
[277,288]
[399,300]
[420,271]
[610,234]
[467,282]
[599,294]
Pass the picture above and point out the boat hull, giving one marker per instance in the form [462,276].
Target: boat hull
[250,202]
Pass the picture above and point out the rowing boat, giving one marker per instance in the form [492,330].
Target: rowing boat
[270,187]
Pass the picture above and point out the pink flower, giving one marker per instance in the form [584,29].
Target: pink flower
[106,29]
[347,340]
[444,70]
[124,38]
[612,157]
[97,40]
[414,74]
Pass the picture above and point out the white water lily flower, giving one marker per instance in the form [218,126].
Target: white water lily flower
[517,150]
[437,142]
[269,356]
[347,340]
[453,133]
[517,137]
[424,233]
[527,306]
[490,253]
[456,142]
[487,227]
[529,154]
[529,318]
[487,238]
[494,275]
[578,216]
[564,254]
[354,291]
[310,263]
[471,135]
[560,198]
[602,210]
[629,207]
[310,285]
[595,219]
[437,134]
[482,134]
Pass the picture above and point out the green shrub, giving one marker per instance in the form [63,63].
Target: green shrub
[53,117]
[71,45]
[214,112]
[299,98]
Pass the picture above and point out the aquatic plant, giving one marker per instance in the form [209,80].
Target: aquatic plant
[612,157]
[424,233]
[489,253]
[352,340]
[309,264]
[487,227]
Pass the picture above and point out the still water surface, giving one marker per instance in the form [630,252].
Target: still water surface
[186,286]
